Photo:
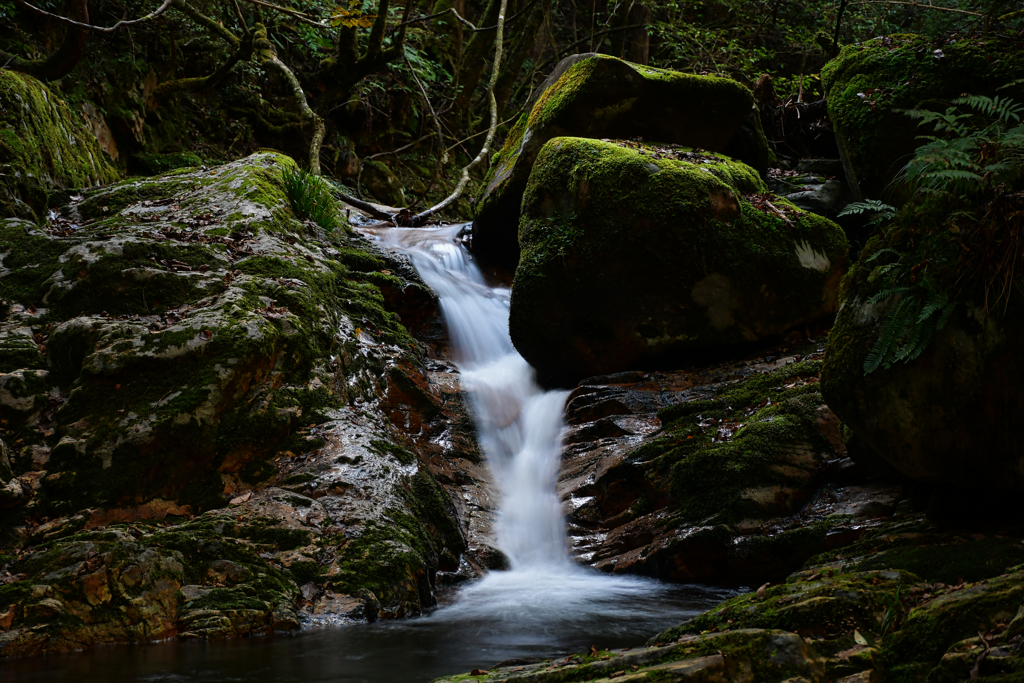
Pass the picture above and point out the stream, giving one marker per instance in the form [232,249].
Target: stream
[544,605]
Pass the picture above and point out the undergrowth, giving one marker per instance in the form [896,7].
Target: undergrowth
[311,198]
[960,239]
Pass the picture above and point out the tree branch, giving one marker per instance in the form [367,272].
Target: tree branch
[419,218]
[268,56]
[305,18]
[917,4]
[99,29]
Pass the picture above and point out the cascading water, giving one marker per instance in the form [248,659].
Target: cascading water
[518,423]
[519,426]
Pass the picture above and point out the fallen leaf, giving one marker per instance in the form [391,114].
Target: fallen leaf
[762,592]
[617,674]
[859,639]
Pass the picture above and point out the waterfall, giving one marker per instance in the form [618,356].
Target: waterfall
[545,595]
[518,424]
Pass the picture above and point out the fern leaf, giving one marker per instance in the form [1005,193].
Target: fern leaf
[894,326]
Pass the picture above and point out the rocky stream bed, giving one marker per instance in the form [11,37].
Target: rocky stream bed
[219,419]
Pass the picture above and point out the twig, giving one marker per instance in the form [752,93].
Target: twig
[99,29]
[839,23]
[917,4]
[568,48]
[465,22]
[464,180]
[423,91]
[298,15]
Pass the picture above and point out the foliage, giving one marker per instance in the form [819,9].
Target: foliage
[963,178]
[918,312]
[311,198]
[883,212]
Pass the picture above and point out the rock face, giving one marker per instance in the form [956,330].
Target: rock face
[43,146]
[184,349]
[869,84]
[635,255]
[950,415]
[734,473]
[596,96]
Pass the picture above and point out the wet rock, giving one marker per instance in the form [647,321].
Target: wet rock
[597,96]
[46,146]
[733,473]
[870,84]
[244,383]
[639,256]
[746,655]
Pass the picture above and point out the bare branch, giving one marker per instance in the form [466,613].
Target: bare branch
[465,22]
[464,180]
[268,56]
[99,29]
[304,18]
[423,91]
[917,4]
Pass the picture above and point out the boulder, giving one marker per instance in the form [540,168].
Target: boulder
[949,416]
[597,96]
[636,255]
[43,146]
[870,84]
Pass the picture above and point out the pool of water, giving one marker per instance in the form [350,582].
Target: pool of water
[508,615]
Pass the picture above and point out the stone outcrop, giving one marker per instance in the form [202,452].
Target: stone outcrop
[735,473]
[637,256]
[185,350]
[908,601]
[44,146]
[870,85]
[597,96]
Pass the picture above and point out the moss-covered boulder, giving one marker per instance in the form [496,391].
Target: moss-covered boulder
[636,255]
[870,84]
[186,345]
[597,96]
[43,146]
[950,414]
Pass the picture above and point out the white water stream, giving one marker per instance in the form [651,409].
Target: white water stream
[519,427]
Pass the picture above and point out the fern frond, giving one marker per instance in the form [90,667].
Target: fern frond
[886,293]
[893,327]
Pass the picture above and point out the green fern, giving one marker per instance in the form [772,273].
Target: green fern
[883,212]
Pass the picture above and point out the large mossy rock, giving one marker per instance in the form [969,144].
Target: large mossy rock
[43,146]
[633,256]
[950,416]
[211,404]
[870,85]
[596,96]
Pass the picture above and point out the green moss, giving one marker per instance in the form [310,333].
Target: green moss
[594,211]
[157,164]
[44,145]
[870,84]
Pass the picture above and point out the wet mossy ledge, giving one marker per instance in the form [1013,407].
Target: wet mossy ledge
[598,96]
[44,146]
[635,255]
[205,404]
